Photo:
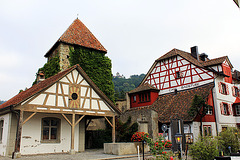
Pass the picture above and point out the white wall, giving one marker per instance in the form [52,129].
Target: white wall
[224,120]
[31,136]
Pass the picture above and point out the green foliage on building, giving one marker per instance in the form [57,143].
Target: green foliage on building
[50,68]
[97,66]
[123,85]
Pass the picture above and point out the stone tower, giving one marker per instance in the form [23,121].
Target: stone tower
[77,34]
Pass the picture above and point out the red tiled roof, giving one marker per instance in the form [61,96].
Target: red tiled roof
[24,95]
[78,34]
[215,61]
[172,106]
[143,87]
[186,55]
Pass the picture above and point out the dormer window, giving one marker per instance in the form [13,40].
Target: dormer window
[144,97]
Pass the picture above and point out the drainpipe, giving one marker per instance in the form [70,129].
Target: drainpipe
[16,141]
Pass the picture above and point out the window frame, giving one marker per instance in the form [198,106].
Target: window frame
[236,110]
[207,128]
[58,126]
[224,88]
[1,129]
[209,110]
[225,109]
[235,91]
[144,97]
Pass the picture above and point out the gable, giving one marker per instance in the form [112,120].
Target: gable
[177,73]
[72,91]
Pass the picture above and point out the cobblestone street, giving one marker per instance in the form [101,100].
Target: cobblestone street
[93,154]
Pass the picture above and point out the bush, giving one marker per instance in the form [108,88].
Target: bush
[205,148]
[139,136]
[227,138]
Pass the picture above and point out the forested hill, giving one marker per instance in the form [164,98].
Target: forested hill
[1,102]
[123,85]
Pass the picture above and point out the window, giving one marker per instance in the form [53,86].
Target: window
[144,97]
[51,130]
[209,110]
[236,109]
[207,130]
[1,130]
[134,98]
[235,91]
[224,90]
[177,74]
[225,109]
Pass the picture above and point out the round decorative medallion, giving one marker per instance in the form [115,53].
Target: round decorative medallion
[74,96]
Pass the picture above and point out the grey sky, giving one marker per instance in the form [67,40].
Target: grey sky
[135,32]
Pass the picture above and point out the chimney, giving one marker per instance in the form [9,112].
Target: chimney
[40,76]
[194,52]
[203,56]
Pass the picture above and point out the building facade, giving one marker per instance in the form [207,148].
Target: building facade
[176,77]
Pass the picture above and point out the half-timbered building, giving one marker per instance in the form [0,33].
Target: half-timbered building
[177,76]
[51,116]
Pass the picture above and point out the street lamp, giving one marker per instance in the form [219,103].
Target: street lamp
[178,138]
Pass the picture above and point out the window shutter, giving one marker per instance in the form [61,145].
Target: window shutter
[230,109]
[220,87]
[234,110]
[238,92]
[221,108]
[233,91]
[227,89]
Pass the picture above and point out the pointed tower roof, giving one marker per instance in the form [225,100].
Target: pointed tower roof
[78,34]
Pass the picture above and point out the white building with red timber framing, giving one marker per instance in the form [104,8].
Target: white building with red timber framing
[178,76]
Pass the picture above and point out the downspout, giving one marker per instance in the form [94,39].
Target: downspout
[16,141]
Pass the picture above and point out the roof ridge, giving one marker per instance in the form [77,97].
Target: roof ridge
[78,34]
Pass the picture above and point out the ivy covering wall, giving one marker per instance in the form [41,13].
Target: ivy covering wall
[50,68]
[97,66]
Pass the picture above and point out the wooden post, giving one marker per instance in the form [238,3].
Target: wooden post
[72,136]
[19,132]
[113,129]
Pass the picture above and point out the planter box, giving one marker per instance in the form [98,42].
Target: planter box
[124,148]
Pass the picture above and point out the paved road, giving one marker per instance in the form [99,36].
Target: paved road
[93,154]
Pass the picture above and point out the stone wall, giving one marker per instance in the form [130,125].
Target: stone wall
[147,119]
[63,51]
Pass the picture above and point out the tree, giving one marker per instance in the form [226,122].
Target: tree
[229,138]
[205,148]
[199,108]
[125,130]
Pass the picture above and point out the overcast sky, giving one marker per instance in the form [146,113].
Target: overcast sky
[135,33]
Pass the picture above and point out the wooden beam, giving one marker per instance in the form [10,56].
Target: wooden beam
[67,119]
[108,121]
[29,118]
[79,119]
[72,135]
[88,123]
[19,132]
[113,130]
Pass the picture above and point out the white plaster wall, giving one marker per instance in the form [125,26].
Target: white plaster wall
[218,98]
[6,126]
[31,136]
[195,130]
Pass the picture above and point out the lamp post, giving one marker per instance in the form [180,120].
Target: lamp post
[178,138]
